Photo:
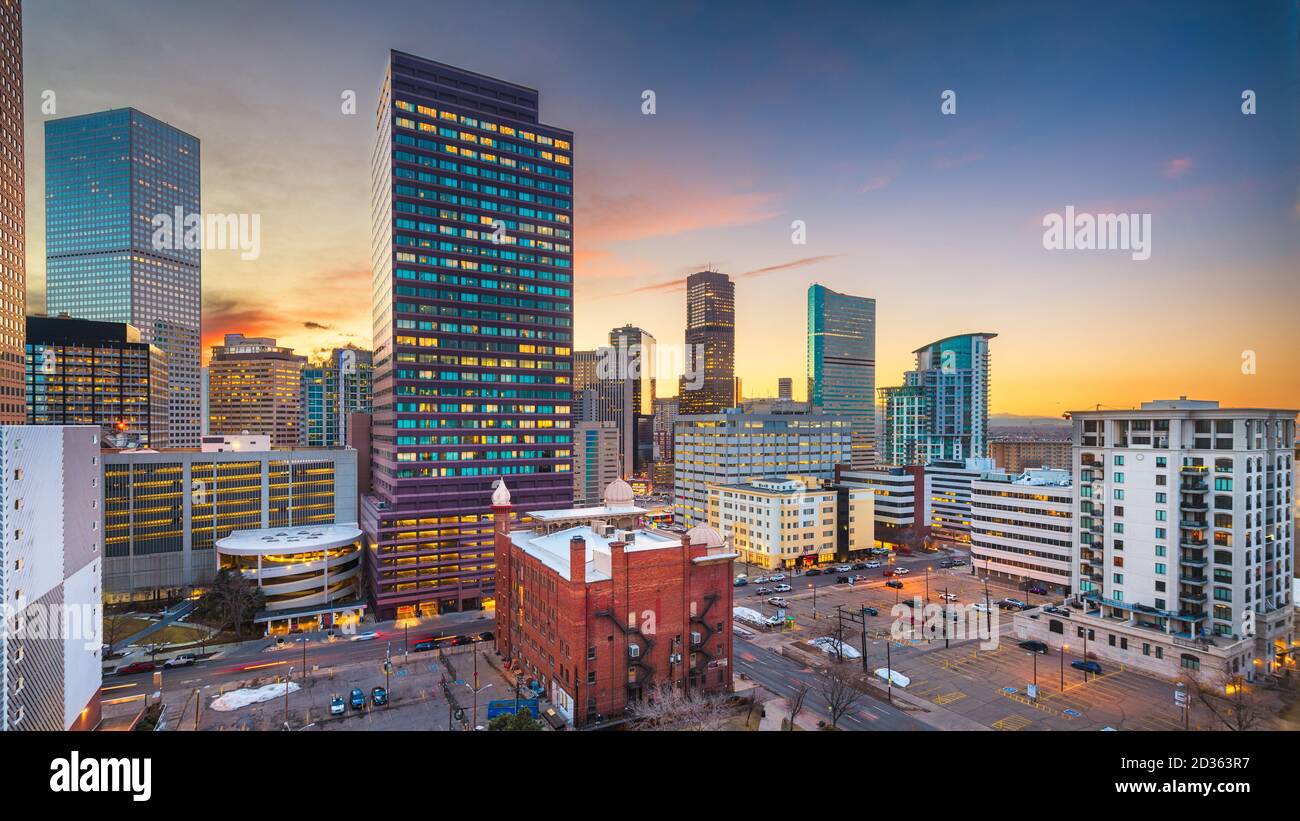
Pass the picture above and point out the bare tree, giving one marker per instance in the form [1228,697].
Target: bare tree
[838,690]
[1234,702]
[677,711]
[114,625]
[798,694]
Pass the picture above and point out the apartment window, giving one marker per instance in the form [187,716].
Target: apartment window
[1161,498]
[1146,649]
[1160,569]
[591,676]
[1119,494]
[1160,652]
[1162,462]
[1117,578]
[1119,478]
[1123,644]
[591,652]
[1190,662]
[1119,461]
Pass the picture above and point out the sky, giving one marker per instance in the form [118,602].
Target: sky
[828,114]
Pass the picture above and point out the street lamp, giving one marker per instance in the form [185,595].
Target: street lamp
[813,587]
[1065,648]
[286,697]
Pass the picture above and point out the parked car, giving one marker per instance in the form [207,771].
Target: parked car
[777,601]
[425,644]
[379,696]
[762,580]
[901,571]
[357,699]
[842,580]
[1038,591]
[1034,646]
[1087,666]
[773,621]
[857,577]
[859,566]
[337,706]
[486,635]
[763,591]
[136,667]
[871,565]
[813,571]
[946,563]
[1014,602]
[782,588]
[981,607]
[777,577]
[844,568]
[1003,604]
[183,660]
[740,581]
[894,583]
[948,596]
[871,611]
[958,562]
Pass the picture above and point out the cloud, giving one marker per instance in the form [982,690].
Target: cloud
[679,284]
[1177,167]
[877,183]
[317,326]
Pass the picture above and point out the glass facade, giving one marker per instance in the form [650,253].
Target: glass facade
[842,363]
[710,344]
[473,361]
[331,390]
[941,411]
[109,178]
[13,276]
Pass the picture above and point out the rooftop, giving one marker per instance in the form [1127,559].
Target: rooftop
[552,549]
[288,539]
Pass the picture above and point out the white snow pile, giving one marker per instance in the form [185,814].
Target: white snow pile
[829,645]
[236,699]
[747,615]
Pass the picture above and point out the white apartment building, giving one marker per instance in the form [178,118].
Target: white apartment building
[1022,527]
[1184,547]
[50,565]
[786,522]
[595,460]
[734,447]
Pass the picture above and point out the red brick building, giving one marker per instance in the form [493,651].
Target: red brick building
[599,614]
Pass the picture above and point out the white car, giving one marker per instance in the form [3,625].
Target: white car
[364,636]
[949,597]
[776,577]
[873,564]
[981,607]
[184,660]
[901,571]
[782,588]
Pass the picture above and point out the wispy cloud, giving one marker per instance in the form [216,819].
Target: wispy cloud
[679,284]
[1175,168]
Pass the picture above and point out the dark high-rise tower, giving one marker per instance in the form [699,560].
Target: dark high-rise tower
[473,324]
[709,385]
[13,271]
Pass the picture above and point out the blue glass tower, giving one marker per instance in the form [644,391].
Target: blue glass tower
[842,363]
[109,178]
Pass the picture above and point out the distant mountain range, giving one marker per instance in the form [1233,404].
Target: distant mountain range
[1011,420]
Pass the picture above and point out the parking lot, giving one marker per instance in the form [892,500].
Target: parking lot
[416,700]
[986,685]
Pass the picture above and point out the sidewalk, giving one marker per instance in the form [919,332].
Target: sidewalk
[775,713]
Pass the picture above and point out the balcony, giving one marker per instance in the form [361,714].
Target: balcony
[1195,470]
[1190,562]
[1192,598]
[1194,507]
[1188,524]
[1097,529]
[1193,543]
[1199,581]
[1196,487]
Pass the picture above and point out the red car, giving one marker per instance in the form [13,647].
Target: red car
[136,667]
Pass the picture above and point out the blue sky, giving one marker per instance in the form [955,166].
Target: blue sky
[826,113]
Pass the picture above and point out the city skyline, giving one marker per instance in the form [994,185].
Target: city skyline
[929,205]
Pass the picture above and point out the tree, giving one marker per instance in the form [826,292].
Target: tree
[838,690]
[231,600]
[522,721]
[677,711]
[798,694]
[115,625]
[1231,700]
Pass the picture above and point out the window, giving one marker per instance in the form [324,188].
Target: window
[1190,662]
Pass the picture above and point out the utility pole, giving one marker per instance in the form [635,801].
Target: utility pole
[286,698]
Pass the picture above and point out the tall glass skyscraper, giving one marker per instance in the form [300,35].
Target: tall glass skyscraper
[13,270]
[710,384]
[109,177]
[473,328]
[842,363]
[941,412]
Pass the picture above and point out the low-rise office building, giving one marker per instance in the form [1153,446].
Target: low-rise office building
[164,511]
[1022,527]
[897,524]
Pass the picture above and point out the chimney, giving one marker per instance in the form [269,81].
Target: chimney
[578,560]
